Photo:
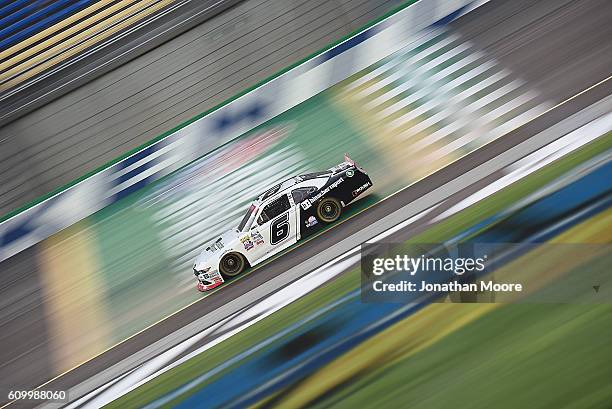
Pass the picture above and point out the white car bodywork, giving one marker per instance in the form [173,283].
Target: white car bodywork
[279,218]
[254,240]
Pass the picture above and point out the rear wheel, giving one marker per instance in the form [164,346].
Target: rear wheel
[329,210]
[232,264]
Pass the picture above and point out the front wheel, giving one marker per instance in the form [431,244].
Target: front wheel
[329,210]
[231,265]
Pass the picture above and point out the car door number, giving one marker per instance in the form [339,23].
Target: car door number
[279,229]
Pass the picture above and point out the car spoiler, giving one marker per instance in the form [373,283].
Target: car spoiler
[347,159]
[346,163]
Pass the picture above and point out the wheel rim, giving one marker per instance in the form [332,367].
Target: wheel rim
[329,210]
[232,264]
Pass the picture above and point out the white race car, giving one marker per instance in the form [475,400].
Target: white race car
[287,212]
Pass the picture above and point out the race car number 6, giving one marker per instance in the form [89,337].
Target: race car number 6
[279,229]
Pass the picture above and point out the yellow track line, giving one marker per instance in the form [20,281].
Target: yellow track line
[299,244]
[84,45]
[54,28]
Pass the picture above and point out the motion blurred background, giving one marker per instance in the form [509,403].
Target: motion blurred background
[134,131]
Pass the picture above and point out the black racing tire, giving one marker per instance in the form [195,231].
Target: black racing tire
[329,210]
[231,265]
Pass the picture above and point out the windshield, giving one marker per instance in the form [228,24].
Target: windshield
[246,217]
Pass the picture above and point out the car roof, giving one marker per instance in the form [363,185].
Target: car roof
[294,182]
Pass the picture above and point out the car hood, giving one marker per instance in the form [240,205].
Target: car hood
[214,249]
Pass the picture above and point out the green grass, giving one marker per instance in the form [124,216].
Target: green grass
[517,356]
[533,354]
[350,281]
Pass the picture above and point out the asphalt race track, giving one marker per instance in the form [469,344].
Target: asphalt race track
[551,44]
[317,252]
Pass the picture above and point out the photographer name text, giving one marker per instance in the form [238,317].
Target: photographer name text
[424,286]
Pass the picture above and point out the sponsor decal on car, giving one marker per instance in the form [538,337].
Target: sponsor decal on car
[247,242]
[361,188]
[306,204]
[350,173]
[210,276]
[213,282]
[208,281]
[256,236]
[311,221]
[217,245]
[252,240]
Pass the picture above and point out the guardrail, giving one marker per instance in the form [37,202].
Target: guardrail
[214,128]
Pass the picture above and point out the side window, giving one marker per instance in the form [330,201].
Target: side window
[302,193]
[273,209]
